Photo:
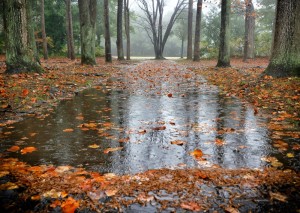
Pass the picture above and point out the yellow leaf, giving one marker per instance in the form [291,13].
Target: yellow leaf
[94,146]
[68,130]
[290,155]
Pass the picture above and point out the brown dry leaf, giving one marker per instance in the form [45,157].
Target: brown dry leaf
[197,153]
[142,131]
[193,206]
[231,210]
[13,149]
[94,146]
[124,140]
[70,205]
[52,194]
[3,173]
[79,117]
[68,130]
[144,197]
[25,92]
[35,197]
[178,142]
[170,95]
[28,150]
[108,150]
[8,186]
[278,196]
[111,192]
[89,125]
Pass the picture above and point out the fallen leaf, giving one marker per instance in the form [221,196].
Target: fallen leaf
[25,92]
[28,150]
[170,95]
[8,186]
[278,196]
[159,128]
[68,130]
[55,203]
[111,192]
[219,142]
[13,149]
[124,140]
[290,155]
[193,206]
[197,153]
[108,150]
[178,142]
[35,197]
[231,210]
[94,146]
[145,197]
[3,173]
[70,205]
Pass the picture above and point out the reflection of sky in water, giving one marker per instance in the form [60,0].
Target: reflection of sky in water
[199,117]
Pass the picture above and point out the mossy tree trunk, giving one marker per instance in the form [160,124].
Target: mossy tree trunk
[87,16]
[21,52]
[285,55]
[224,49]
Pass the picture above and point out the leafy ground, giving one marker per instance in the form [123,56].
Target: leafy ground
[48,188]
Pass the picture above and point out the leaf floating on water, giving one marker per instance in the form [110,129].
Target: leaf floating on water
[28,150]
[13,149]
[193,206]
[178,142]
[70,205]
[108,150]
[159,128]
[68,130]
[94,146]
[197,153]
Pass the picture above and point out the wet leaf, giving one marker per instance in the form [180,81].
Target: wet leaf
[290,155]
[178,142]
[197,153]
[68,130]
[111,192]
[35,197]
[278,196]
[52,194]
[28,150]
[219,142]
[231,210]
[94,146]
[159,128]
[62,169]
[3,173]
[13,149]
[124,140]
[170,95]
[70,205]
[25,92]
[55,203]
[8,186]
[108,150]
[192,206]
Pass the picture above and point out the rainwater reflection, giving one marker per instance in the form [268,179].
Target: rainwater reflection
[199,117]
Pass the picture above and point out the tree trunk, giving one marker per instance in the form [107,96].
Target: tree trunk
[285,56]
[87,16]
[127,28]
[249,31]
[21,52]
[108,57]
[224,49]
[190,31]
[197,31]
[182,44]
[45,50]
[119,30]
[70,37]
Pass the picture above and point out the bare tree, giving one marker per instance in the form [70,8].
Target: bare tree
[190,31]
[69,25]
[249,30]
[107,32]
[44,37]
[197,31]
[120,30]
[127,27]
[154,12]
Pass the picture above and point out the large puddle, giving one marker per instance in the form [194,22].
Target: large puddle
[147,125]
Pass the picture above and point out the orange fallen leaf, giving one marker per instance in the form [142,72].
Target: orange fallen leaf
[197,153]
[70,205]
[55,203]
[68,130]
[108,150]
[25,92]
[28,150]
[35,197]
[13,149]
[193,206]
[170,95]
[219,142]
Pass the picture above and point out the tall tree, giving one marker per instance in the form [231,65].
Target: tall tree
[224,49]
[87,15]
[190,31]
[108,57]
[285,56]
[69,26]
[44,37]
[21,53]
[154,12]
[127,27]
[120,30]
[197,31]
[249,30]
